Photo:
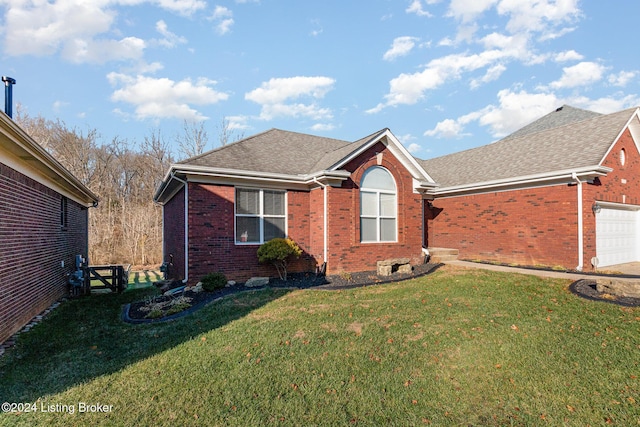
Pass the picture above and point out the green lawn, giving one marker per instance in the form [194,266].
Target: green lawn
[143,279]
[457,347]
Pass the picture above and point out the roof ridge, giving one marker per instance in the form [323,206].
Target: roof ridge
[213,150]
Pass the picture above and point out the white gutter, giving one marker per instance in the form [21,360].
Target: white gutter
[580,265]
[588,171]
[186,226]
[324,219]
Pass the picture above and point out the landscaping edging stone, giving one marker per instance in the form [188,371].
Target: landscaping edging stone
[297,281]
[588,289]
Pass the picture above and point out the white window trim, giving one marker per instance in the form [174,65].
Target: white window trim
[379,217]
[260,215]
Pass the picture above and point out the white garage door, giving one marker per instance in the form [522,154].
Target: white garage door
[616,236]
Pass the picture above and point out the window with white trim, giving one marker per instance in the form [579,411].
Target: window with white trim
[378,206]
[260,215]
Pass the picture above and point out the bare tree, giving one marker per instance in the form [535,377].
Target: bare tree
[193,140]
[227,133]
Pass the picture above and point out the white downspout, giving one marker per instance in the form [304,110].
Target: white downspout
[580,224]
[186,227]
[324,219]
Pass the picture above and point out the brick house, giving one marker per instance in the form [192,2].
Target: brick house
[43,225]
[346,204]
[559,192]
[562,191]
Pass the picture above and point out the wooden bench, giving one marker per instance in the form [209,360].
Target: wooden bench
[390,266]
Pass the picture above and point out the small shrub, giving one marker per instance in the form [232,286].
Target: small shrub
[277,251]
[213,281]
[156,313]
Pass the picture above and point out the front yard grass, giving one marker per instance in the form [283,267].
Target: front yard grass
[456,347]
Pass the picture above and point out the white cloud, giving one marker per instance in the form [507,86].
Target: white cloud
[164,98]
[606,105]
[183,7]
[515,110]
[323,127]
[568,55]
[622,78]
[80,30]
[101,51]
[410,88]
[41,28]
[492,74]
[416,7]
[275,97]
[468,10]
[582,74]
[401,46]
[525,20]
[237,122]
[414,148]
[447,129]
[59,105]
[223,18]
[170,39]
[537,15]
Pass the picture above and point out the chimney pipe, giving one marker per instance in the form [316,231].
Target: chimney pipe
[8,95]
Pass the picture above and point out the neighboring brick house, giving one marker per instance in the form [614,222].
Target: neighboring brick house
[562,191]
[220,206]
[527,199]
[43,225]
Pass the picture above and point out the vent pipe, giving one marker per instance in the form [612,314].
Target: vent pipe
[8,95]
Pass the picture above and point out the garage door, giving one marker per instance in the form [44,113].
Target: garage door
[616,236]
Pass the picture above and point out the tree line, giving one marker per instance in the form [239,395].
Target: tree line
[126,226]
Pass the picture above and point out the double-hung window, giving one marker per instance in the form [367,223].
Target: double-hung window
[378,206]
[260,215]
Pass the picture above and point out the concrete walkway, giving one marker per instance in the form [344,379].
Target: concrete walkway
[631,269]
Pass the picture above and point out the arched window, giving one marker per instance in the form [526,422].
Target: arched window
[378,206]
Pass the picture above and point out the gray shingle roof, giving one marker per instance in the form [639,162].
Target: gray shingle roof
[273,151]
[279,151]
[560,117]
[556,143]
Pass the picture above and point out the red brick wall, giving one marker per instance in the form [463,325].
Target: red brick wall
[536,226]
[34,247]
[173,235]
[316,225]
[212,245]
[346,253]
[611,188]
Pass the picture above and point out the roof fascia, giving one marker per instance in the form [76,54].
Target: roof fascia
[206,174]
[396,148]
[56,176]
[634,128]
[563,176]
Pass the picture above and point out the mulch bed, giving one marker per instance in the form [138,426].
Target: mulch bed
[586,288]
[132,313]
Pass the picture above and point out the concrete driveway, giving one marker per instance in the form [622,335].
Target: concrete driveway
[631,268]
[627,269]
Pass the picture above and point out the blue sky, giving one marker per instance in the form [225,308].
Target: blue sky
[443,75]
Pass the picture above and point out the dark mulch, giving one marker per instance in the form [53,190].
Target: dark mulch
[132,313]
[587,289]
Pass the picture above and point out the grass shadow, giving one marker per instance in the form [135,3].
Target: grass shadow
[85,338]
